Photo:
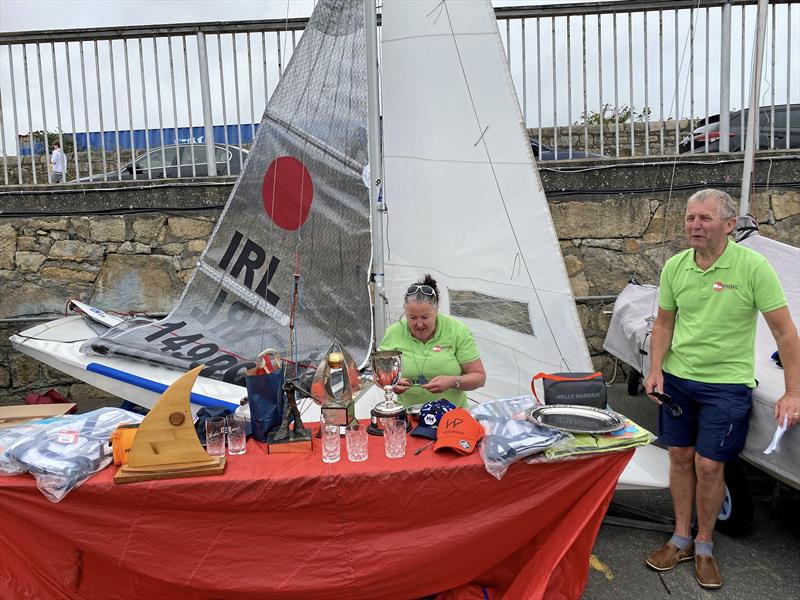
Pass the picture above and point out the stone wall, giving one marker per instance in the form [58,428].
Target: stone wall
[132,247]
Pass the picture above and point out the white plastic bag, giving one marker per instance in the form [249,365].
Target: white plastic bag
[65,452]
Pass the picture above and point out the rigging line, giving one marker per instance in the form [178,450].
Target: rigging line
[497,184]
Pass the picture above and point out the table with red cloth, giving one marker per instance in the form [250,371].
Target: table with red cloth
[290,526]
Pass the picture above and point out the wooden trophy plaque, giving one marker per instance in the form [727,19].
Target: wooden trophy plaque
[166,445]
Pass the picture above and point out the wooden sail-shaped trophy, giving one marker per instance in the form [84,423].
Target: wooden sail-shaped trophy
[166,445]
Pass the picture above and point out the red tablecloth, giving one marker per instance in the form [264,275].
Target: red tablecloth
[290,526]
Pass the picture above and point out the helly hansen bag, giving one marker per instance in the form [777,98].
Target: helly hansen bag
[584,389]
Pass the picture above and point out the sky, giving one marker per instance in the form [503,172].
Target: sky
[30,15]
[541,88]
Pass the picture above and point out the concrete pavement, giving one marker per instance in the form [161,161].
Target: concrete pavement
[763,564]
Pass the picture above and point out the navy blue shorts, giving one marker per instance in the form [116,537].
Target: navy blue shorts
[714,420]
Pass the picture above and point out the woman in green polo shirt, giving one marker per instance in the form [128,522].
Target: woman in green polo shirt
[440,358]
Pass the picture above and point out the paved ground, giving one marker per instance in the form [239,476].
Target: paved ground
[762,564]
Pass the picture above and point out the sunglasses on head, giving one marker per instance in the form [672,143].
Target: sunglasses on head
[426,290]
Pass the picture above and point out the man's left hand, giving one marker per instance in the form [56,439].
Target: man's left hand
[788,406]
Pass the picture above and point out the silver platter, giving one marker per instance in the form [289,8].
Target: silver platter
[575,419]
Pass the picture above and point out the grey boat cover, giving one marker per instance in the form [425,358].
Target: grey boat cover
[628,339]
[299,213]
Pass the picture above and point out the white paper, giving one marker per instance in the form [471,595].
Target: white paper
[774,445]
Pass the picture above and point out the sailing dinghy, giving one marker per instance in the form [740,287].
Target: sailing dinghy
[289,264]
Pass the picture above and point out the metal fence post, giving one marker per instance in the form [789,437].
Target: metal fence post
[205,94]
[725,81]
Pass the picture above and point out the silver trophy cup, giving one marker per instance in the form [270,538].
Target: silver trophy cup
[386,369]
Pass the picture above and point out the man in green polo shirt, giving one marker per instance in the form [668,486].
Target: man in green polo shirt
[440,358]
[702,356]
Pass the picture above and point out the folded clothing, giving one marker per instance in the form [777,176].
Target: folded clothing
[629,436]
[510,436]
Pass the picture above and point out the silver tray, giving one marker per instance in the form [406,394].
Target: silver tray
[575,419]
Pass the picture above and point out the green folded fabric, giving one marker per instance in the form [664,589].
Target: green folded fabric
[630,436]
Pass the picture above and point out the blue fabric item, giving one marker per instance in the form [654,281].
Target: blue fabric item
[266,399]
[429,416]
[715,417]
[203,415]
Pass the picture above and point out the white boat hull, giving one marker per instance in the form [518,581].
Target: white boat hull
[57,344]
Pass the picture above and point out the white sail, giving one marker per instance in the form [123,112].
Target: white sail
[464,199]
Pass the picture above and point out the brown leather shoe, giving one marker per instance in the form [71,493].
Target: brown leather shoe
[669,555]
[706,571]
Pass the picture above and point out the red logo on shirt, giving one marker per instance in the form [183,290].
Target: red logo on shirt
[718,286]
[437,348]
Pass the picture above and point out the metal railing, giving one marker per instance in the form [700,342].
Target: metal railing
[625,78]
[636,78]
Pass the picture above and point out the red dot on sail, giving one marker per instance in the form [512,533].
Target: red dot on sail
[287,192]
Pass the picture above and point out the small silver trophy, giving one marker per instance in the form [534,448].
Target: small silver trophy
[386,369]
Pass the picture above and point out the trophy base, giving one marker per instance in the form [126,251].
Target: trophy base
[341,415]
[375,426]
[291,444]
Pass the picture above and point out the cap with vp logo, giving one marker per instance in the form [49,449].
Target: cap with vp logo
[458,430]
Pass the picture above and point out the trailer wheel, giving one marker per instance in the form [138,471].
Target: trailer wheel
[634,382]
[736,516]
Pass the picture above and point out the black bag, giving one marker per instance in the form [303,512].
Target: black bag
[584,389]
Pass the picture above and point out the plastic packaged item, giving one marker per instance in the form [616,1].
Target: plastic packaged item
[11,437]
[65,452]
[510,436]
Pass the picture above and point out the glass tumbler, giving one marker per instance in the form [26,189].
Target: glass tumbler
[394,438]
[215,436]
[237,439]
[331,444]
[356,439]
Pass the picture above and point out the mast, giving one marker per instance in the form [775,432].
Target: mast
[375,168]
[754,113]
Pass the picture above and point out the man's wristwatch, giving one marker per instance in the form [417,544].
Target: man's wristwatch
[458,383]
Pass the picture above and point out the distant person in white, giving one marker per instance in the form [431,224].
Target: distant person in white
[58,163]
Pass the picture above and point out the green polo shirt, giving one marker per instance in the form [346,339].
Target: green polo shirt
[451,346]
[717,309]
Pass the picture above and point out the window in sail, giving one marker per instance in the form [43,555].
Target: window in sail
[511,314]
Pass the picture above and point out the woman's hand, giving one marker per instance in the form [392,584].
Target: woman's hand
[440,383]
[402,385]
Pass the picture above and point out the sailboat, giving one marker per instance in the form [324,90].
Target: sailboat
[304,252]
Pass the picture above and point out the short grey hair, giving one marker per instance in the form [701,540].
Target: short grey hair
[727,207]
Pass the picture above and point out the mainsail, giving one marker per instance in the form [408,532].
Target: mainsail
[464,199]
[297,216]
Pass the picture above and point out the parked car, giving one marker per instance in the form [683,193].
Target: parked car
[708,130]
[161,162]
[545,152]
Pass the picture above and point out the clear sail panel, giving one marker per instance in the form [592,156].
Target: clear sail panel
[293,242]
